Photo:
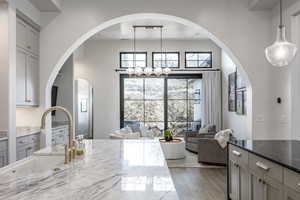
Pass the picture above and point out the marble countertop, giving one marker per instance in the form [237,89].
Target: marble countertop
[110,169]
[283,152]
[3,138]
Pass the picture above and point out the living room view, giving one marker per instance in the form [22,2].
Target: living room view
[150,78]
[136,99]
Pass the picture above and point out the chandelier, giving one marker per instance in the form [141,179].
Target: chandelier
[147,71]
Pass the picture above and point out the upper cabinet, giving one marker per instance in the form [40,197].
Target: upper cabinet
[27,69]
[27,37]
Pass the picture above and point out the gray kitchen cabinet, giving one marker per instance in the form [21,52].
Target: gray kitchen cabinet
[27,80]
[256,187]
[290,194]
[27,37]
[3,153]
[273,190]
[27,145]
[27,69]
[21,77]
[252,177]
[239,174]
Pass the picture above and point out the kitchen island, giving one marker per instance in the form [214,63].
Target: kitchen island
[264,170]
[110,169]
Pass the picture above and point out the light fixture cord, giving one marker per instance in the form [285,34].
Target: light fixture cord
[161,47]
[281,20]
[134,47]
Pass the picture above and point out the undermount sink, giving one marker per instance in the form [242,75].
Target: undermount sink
[32,165]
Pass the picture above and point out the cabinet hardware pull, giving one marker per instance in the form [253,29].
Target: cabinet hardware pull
[259,180]
[262,166]
[236,153]
[29,47]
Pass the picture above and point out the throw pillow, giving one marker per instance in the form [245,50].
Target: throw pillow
[203,130]
[156,131]
[143,130]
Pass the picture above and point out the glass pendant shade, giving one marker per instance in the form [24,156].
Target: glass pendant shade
[138,71]
[130,70]
[158,71]
[281,52]
[166,70]
[148,71]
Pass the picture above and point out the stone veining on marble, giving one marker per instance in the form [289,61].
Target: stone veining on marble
[110,169]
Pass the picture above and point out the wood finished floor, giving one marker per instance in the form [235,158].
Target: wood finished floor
[199,183]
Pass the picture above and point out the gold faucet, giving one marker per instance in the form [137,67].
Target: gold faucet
[70,148]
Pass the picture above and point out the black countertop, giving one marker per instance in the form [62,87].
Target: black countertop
[282,152]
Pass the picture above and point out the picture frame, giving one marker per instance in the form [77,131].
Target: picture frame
[232,92]
[241,102]
[240,83]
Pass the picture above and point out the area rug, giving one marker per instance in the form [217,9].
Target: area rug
[190,161]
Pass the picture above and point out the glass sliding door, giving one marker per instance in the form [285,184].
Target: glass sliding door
[174,101]
[143,102]
[184,103]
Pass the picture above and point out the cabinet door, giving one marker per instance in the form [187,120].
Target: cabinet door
[273,190]
[3,158]
[290,194]
[33,40]
[32,80]
[233,181]
[256,187]
[22,34]
[244,186]
[21,77]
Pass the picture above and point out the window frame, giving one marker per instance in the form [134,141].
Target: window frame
[167,52]
[131,52]
[198,52]
[165,98]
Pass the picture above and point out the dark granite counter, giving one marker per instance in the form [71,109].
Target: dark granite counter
[283,152]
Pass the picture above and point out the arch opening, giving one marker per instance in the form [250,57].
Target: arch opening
[156,16]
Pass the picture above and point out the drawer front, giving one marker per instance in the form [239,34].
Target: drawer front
[265,167]
[238,155]
[22,142]
[34,138]
[292,179]
[4,145]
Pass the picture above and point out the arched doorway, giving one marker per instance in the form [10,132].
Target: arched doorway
[131,17]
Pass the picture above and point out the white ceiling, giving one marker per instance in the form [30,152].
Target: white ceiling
[47,5]
[171,30]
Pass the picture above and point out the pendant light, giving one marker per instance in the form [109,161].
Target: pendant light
[147,71]
[281,52]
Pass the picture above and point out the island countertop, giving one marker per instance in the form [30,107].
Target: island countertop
[110,169]
[283,152]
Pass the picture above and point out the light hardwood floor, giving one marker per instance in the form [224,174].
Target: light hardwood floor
[199,183]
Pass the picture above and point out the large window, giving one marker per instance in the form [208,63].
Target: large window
[127,59]
[163,102]
[198,59]
[165,59]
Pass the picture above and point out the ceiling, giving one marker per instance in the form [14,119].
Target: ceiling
[47,5]
[171,30]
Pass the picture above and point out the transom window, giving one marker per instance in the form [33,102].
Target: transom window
[165,59]
[127,59]
[198,59]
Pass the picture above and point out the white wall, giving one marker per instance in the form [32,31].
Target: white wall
[97,60]
[288,83]
[244,34]
[65,90]
[238,123]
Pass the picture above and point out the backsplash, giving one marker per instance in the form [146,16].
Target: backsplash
[28,117]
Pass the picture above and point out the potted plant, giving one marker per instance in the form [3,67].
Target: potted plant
[168,135]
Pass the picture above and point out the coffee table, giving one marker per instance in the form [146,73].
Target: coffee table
[174,149]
